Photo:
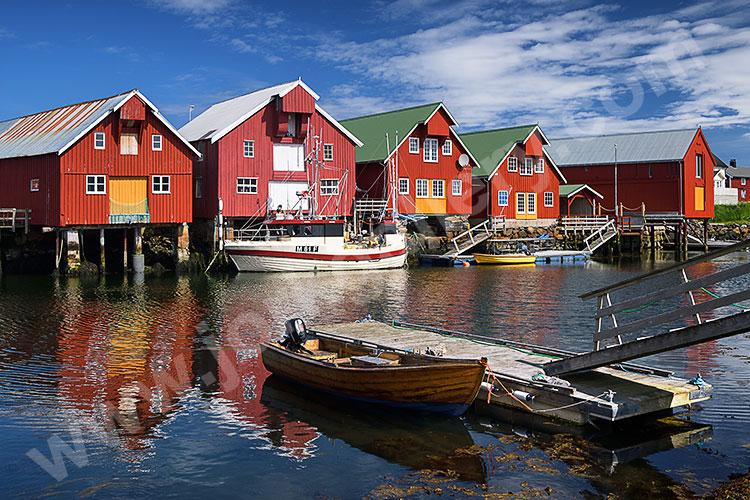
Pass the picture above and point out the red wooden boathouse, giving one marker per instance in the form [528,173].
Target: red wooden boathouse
[415,156]
[668,172]
[273,148]
[516,178]
[110,163]
[739,177]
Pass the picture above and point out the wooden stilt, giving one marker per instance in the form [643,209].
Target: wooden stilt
[102,258]
[125,251]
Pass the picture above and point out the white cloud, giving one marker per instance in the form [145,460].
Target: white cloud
[193,6]
[491,72]
[241,46]
[4,33]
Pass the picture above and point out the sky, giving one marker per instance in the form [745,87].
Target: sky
[575,67]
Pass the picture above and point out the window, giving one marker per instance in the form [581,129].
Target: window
[422,188]
[248,149]
[539,166]
[530,203]
[699,166]
[328,152]
[527,167]
[549,200]
[456,187]
[512,164]
[742,193]
[95,184]
[438,188]
[329,187]
[291,130]
[34,184]
[650,171]
[502,198]
[403,186]
[199,187]
[201,146]
[156,142]
[128,144]
[160,184]
[742,181]
[431,150]
[520,203]
[447,148]
[247,185]
[414,145]
[98,140]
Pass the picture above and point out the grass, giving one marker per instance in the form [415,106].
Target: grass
[732,213]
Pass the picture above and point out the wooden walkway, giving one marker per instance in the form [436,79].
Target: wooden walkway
[608,393]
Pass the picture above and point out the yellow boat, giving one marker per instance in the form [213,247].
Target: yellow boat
[504,259]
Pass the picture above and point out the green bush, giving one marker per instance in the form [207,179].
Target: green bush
[732,213]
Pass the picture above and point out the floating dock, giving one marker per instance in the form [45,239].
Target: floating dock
[517,369]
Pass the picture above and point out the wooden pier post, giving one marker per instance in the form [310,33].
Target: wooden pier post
[138,258]
[183,243]
[125,251]
[102,258]
[73,250]
[705,235]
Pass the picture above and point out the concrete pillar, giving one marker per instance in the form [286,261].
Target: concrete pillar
[102,267]
[183,243]
[138,259]
[73,250]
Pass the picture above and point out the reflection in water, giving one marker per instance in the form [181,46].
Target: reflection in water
[162,380]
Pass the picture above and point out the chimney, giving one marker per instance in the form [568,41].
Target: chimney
[733,162]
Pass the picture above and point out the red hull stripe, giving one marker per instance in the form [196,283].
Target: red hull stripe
[317,256]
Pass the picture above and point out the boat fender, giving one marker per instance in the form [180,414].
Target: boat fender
[523,396]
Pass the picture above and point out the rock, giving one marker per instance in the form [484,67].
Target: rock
[88,269]
[432,242]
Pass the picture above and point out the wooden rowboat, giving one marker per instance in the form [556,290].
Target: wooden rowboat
[504,259]
[395,378]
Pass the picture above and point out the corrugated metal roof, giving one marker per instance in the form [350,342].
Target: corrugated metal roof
[738,172]
[568,190]
[52,131]
[669,145]
[225,116]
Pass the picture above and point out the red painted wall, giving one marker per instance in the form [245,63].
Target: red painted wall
[698,146]
[736,182]
[175,160]
[15,179]
[224,161]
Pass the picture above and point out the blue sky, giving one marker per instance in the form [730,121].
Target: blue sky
[573,66]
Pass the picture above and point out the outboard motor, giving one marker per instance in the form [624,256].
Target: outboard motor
[296,334]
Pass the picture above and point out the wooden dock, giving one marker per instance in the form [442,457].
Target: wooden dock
[607,393]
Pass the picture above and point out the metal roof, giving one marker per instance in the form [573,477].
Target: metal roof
[669,145]
[223,117]
[570,190]
[738,172]
[57,130]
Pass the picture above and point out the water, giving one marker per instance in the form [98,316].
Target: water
[153,387]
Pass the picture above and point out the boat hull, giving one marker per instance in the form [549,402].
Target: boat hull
[263,260]
[447,386]
[508,259]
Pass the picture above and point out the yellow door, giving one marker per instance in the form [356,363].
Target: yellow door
[525,206]
[435,203]
[128,195]
[700,198]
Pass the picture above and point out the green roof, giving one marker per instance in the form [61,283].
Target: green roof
[371,130]
[491,146]
[568,189]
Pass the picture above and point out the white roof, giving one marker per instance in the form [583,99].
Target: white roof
[223,117]
[55,131]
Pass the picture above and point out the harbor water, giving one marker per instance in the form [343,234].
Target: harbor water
[143,387]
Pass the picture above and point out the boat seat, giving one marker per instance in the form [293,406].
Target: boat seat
[323,355]
[373,361]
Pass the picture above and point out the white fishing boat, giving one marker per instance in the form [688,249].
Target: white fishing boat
[316,245]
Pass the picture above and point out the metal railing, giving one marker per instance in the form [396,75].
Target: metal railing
[600,236]
[261,233]
[583,222]
[13,218]
[476,235]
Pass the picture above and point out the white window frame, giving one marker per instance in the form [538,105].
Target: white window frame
[329,187]
[742,181]
[447,148]
[327,152]
[414,145]
[248,149]
[247,185]
[549,199]
[527,167]
[520,203]
[423,187]
[154,139]
[539,167]
[441,191]
[98,181]
[512,164]
[161,184]
[457,187]
[100,137]
[531,203]
[698,166]
[403,185]
[430,150]
[743,193]
[499,200]
[31,184]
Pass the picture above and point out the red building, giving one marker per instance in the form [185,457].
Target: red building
[671,172]
[104,164]
[516,178]
[272,148]
[740,178]
[413,155]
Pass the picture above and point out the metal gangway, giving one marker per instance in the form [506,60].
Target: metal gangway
[472,237]
[610,343]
